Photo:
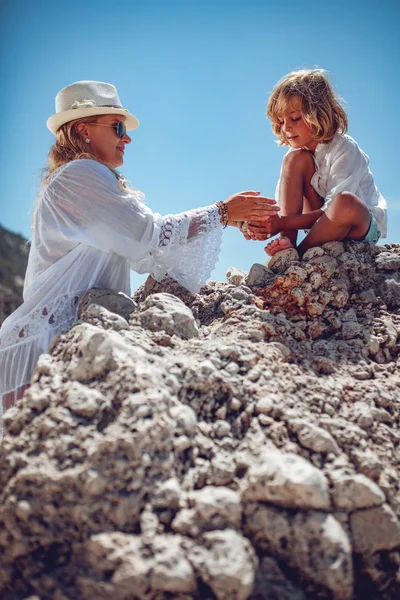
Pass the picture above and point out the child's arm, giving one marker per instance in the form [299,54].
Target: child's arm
[266,229]
[305,221]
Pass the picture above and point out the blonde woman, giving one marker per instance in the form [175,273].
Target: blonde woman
[90,229]
[325,186]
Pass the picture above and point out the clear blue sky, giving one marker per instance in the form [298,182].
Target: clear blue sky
[197,74]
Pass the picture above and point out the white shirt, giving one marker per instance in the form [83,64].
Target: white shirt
[341,166]
[89,232]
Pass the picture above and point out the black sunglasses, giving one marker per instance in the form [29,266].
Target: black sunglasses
[119,127]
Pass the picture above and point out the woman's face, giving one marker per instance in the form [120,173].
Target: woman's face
[104,142]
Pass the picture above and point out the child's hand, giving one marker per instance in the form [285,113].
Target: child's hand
[266,229]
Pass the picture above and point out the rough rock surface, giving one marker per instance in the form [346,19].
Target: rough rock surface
[240,443]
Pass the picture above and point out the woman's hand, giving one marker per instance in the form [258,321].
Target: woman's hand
[250,206]
[264,231]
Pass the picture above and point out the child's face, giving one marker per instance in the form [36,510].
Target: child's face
[293,127]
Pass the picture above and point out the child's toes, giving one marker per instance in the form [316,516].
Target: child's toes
[271,248]
[282,243]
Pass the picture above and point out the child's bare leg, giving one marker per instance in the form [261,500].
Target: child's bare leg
[347,217]
[296,195]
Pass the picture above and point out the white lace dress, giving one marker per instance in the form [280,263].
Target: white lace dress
[89,232]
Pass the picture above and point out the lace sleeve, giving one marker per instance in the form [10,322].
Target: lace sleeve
[85,204]
[188,246]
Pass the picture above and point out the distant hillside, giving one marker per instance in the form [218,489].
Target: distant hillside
[14,250]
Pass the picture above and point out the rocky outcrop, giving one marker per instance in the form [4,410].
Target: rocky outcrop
[240,443]
[14,250]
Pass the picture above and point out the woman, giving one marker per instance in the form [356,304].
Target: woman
[89,229]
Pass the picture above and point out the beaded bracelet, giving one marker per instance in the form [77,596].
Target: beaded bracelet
[223,213]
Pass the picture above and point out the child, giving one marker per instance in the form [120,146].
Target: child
[325,184]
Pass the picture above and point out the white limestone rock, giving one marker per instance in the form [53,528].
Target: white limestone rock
[226,562]
[282,259]
[113,301]
[259,276]
[167,494]
[167,313]
[314,438]
[322,551]
[286,480]
[352,492]
[313,253]
[375,529]
[333,248]
[185,417]
[159,565]
[387,261]
[97,351]
[217,505]
[265,405]
[235,276]
[102,317]
[84,401]
[312,542]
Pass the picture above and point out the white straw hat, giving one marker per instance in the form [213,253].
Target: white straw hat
[86,99]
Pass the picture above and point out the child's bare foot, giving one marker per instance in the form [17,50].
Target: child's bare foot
[281,243]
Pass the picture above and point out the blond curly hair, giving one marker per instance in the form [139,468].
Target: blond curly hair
[320,104]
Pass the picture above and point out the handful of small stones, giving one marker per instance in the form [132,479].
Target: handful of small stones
[243,226]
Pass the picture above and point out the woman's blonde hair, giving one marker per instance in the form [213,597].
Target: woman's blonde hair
[69,146]
[320,107]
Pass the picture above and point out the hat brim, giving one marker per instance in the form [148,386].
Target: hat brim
[55,121]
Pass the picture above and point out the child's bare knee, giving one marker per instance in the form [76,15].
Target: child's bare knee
[347,200]
[348,204]
[300,160]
